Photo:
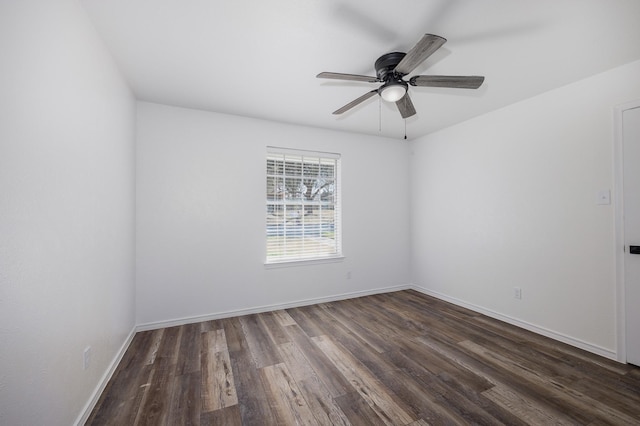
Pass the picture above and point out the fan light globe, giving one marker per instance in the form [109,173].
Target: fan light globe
[393,92]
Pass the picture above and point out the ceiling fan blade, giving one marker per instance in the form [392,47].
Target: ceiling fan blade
[355,102]
[427,45]
[350,77]
[405,106]
[454,81]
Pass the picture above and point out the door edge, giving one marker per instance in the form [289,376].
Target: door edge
[618,156]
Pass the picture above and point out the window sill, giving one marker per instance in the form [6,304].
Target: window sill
[303,262]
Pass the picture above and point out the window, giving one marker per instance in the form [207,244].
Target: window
[303,205]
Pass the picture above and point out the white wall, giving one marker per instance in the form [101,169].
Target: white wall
[508,200]
[66,211]
[201,215]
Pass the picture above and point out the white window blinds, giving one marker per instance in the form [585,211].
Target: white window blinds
[303,205]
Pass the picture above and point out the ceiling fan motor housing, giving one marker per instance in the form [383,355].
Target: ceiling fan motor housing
[386,64]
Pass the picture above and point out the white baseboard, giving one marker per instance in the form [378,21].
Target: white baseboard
[91,403]
[266,308]
[598,350]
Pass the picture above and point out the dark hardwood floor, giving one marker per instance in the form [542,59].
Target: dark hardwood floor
[400,358]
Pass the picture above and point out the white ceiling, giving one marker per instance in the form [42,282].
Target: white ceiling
[260,58]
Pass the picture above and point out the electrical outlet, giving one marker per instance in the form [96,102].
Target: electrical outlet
[517,292]
[86,358]
[603,197]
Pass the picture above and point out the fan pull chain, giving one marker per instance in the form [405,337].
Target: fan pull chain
[405,129]
[379,114]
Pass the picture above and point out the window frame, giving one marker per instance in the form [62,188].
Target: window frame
[298,155]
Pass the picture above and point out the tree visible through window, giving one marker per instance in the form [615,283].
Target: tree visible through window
[303,208]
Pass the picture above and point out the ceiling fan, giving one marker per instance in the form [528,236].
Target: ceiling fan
[391,69]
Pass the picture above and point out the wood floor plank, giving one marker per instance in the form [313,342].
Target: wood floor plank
[431,398]
[234,336]
[252,398]
[154,345]
[317,395]
[214,340]
[293,357]
[406,391]
[169,346]
[228,416]
[396,358]
[616,397]
[499,412]
[123,395]
[558,350]
[335,382]
[155,405]
[421,305]
[185,406]
[285,396]
[437,363]
[568,396]
[416,322]
[369,388]
[302,319]
[529,411]
[261,346]
[370,333]
[400,382]
[218,384]
[419,422]
[505,377]
[423,400]
[139,349]
[284,318]
[211,325]
[322,404]
[358,411]
[189,353]
[120,402]
[274,328]
[567,371]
